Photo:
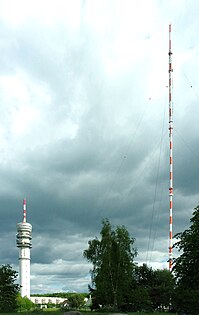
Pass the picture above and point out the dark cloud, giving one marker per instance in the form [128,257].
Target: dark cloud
[84,132]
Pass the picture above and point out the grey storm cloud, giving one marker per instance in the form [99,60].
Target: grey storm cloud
[84,129]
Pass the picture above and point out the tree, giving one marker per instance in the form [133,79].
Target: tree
[186,267]
[144,276]
[112,258]
[159,285]
[76,301]
[141,301]
[24,304]
[8,289]
[162,288]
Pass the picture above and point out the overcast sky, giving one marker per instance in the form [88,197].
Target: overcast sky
[84,128]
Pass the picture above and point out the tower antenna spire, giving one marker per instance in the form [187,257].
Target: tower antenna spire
[24,210]
[171,155]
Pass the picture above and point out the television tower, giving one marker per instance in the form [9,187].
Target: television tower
[23,238]
[171,155]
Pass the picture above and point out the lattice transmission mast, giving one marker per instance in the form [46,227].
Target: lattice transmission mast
[171,155]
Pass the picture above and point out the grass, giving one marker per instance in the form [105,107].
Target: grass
[93,313]
[58,312]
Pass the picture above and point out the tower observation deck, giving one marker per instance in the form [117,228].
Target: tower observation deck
[23,239]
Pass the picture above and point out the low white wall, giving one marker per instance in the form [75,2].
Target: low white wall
[46,299]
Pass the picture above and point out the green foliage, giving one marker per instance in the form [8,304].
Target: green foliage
[141,300]
[143,276]
[8,289]
[162,289]
[24,304]
[186,268]
[75,301]
[159,285]
[112,259]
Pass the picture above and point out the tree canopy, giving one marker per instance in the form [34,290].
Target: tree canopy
[24,303]
[76,301]
[8,289]
[156,288]
[186,267]
[112,258]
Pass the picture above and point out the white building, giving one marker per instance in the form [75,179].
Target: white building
[44,300]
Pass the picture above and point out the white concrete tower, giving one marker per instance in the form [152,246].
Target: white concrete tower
[24,231]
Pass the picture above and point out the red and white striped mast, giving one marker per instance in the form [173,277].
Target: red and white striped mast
[171,155]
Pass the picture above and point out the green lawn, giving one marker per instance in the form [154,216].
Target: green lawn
[52,312]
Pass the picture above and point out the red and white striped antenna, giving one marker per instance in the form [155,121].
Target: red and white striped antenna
[171,155]
[24,211]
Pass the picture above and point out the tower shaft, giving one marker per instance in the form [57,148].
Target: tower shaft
[24,236]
